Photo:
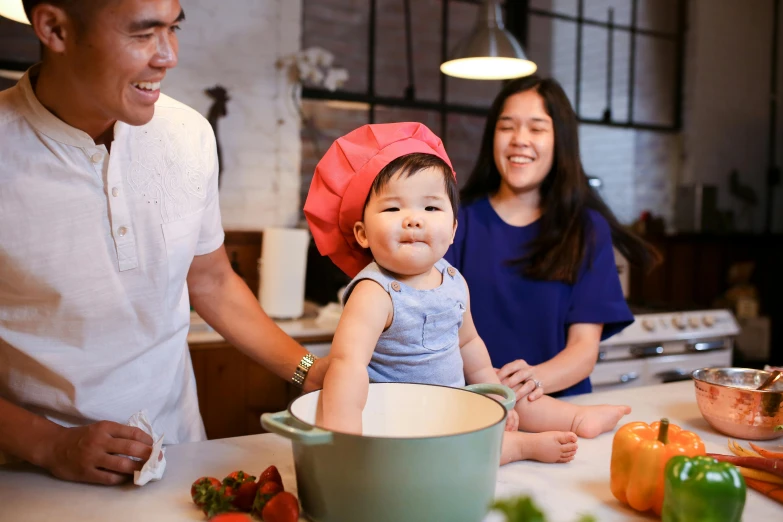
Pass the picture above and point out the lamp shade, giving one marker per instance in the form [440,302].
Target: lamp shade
[13,9]
[490,52]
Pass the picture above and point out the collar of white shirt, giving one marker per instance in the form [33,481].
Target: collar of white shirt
[44,121]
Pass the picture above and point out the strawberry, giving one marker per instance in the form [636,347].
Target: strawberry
[218,500]
[231,517]
[199,488]
[235,478]
[271,474]
[265,492]
[245,495]
[283,507]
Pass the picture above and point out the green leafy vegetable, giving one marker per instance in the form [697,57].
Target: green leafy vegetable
[523,509]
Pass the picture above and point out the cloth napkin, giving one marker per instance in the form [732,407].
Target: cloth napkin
[155,466]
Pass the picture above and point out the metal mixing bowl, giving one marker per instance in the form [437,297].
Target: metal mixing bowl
[729,401]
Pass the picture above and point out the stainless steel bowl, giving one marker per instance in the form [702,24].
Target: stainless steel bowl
[729,401]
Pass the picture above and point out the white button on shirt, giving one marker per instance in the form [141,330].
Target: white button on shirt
[93,324]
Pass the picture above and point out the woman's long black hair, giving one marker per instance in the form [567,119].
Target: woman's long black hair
[559,250]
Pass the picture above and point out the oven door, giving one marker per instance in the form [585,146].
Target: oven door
[673,368]
[617,374]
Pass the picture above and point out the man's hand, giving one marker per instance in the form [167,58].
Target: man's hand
[92,453]
[512,421]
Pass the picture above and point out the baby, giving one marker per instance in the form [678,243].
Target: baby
[383,206]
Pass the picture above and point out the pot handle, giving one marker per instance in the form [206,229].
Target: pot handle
[280,423]
[509,397]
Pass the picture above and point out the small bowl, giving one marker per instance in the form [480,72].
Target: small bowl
[729,402]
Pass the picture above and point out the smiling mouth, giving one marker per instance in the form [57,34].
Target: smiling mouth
[147,86]
[520,160]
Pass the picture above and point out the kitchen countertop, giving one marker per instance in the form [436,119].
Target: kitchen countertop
[305,330]
[562,490]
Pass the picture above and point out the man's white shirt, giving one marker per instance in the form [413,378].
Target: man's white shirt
[94,253]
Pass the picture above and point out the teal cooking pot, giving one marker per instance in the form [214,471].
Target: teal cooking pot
[426,453]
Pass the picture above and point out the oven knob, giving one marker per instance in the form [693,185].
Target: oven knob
[693,321]
[708,320]
[679,322]
[648,324]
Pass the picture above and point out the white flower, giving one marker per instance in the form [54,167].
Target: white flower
[314,66]
[326,59]
[315,55]
[312,75]
[335,78]
[302,63]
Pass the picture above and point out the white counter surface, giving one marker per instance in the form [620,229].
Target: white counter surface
[297,328]
[562,490]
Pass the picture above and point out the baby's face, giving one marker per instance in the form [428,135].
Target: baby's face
[410,224]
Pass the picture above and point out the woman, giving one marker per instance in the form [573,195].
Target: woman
[534,243]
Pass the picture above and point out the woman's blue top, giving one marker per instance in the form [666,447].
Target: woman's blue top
[522,318]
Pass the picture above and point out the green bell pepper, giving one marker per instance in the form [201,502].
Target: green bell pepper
[702,489]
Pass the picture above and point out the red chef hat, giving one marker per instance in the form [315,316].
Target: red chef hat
[342,182]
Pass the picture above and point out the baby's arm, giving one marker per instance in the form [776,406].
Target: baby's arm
[475,357]
[366,314]
[476,362]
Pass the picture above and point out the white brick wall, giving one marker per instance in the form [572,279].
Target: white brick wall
[638,168]
[727,101]
[609,153]
[778,214]
[236,44]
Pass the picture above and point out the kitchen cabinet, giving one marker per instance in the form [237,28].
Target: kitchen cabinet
[234,390]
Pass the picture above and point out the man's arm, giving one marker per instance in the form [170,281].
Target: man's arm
[83,454]
[226,303]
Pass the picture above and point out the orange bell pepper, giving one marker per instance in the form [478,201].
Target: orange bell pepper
[639,455]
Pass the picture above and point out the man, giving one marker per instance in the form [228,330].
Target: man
[109,205]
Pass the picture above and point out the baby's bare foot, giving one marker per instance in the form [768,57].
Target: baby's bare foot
[548,446]
[591,421]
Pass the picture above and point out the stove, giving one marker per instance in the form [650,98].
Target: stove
[665,347]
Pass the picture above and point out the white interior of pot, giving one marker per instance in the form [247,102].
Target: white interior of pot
[414,410]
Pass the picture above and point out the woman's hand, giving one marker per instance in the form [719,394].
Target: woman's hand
[518,375]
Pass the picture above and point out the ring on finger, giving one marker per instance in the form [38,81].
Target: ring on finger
[538,383]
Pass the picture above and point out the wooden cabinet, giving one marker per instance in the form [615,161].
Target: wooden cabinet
[694,274]
[234,390]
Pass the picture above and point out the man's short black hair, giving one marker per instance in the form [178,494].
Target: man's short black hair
[28,7]
[75,8]
[410,164]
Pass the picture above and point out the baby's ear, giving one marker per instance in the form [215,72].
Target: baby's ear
[360,233]
[454,232]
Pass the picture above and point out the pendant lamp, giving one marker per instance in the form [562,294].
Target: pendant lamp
[490,52]
[13,9]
